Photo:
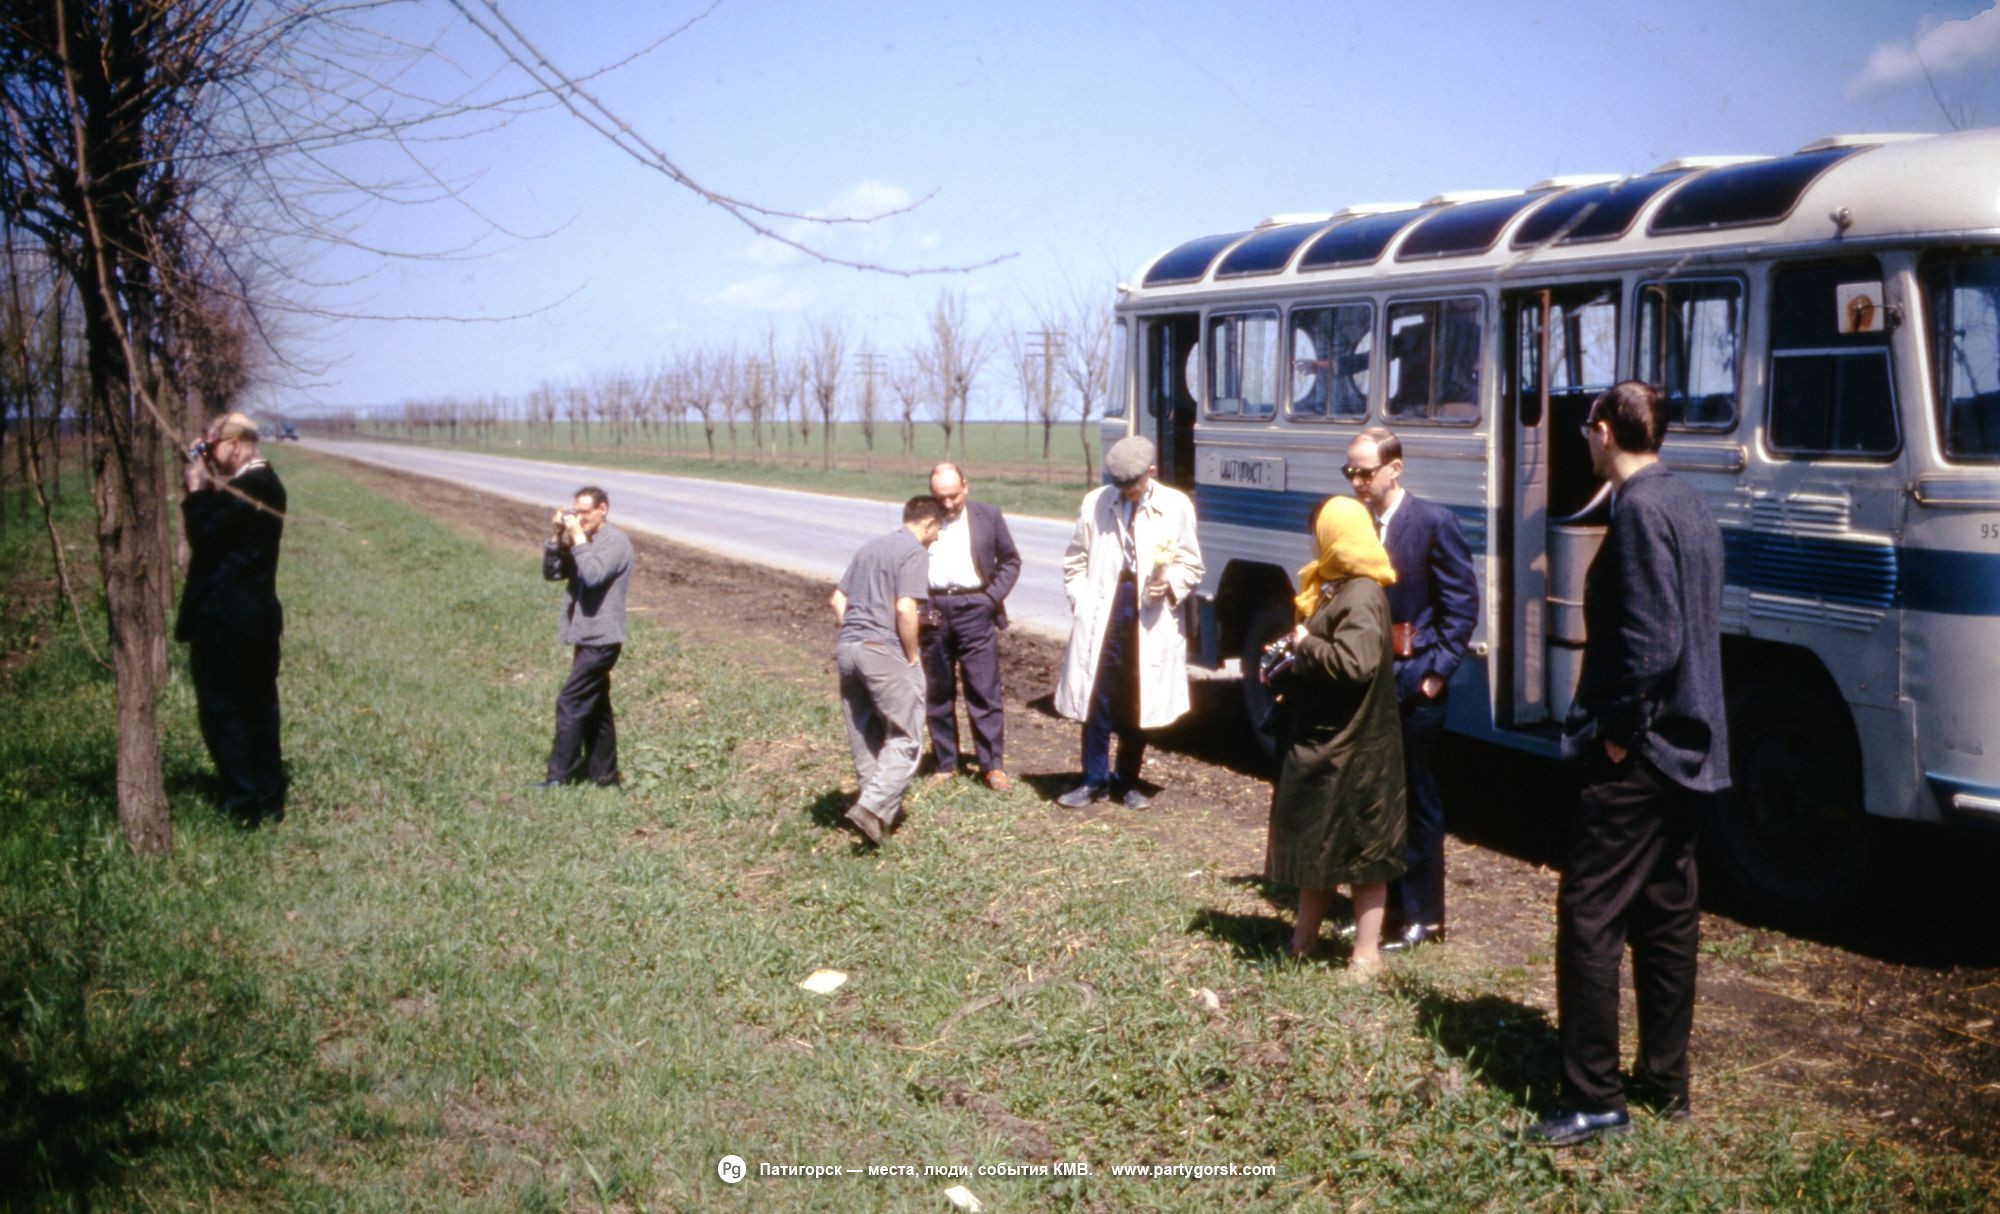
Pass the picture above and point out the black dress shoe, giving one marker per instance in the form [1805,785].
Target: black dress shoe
[1564,1128]
[1412,937]
[1082,795]
[1659,1101]
[1132,798]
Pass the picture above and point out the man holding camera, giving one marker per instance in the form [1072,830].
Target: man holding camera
[595,559]
[230,617]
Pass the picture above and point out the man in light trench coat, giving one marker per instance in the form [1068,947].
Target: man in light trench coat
[1132,562]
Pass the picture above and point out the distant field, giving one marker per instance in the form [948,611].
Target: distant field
[993,458]
[432,989]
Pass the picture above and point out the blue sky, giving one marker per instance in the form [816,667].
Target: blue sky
[1076,139]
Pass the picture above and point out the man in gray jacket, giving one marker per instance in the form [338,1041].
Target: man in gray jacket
[1649,729]
[595,559]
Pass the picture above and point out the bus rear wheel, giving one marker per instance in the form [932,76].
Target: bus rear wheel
[1791,834]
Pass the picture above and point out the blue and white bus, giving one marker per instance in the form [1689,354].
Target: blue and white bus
[1826,326]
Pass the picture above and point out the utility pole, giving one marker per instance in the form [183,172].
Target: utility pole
[1049,349]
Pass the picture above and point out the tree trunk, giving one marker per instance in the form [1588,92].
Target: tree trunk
[129,494]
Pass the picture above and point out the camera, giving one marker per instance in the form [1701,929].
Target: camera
[197,450]
[1276,659]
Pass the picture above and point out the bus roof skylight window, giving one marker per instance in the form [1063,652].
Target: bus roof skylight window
[1190,261]
[1598,212]
[1469,227]
[1357,242]
[1267,252]
[1744,194]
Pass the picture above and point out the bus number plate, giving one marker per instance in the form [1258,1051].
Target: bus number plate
[1243,471]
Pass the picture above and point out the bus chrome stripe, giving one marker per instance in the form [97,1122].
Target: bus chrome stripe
[1963,794]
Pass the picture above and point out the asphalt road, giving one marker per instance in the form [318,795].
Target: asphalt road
[812,534]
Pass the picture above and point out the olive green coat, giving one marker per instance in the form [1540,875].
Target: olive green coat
[1337,814]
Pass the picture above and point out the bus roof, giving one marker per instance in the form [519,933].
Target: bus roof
[1843,187]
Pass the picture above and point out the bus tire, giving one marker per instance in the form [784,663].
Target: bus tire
[1267,624]
[1791,834]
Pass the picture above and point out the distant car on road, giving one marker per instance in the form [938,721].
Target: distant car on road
[287,430]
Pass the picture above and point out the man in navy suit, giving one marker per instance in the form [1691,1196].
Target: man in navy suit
[1432,609]
[973,565]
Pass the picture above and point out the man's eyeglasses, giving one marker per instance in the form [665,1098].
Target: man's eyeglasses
[1355,474]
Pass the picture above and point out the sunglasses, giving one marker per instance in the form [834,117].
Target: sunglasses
[1353,473]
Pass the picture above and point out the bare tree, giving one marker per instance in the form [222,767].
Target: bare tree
[908,381]
[827,358]
[757,400]
[697,381]
[952,363]
[868,411]
[1086,364]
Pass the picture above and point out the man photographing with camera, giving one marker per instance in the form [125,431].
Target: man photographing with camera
[234,518]
[595,559]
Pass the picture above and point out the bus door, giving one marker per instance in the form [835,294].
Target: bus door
[1172,346]
[1562,350]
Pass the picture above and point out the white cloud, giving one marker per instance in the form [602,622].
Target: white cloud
[888,237]
[764,293]
[1945,48]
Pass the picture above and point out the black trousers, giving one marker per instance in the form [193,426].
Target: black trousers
[1629,876]
[586,741]
[1417,897]
[1114,697]
[964,641]
[236,700]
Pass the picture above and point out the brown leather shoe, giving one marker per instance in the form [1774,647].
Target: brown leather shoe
[868,824]
[939,777]
[998,781]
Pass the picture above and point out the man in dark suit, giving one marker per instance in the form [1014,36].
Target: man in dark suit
[234,517]
[1432,609]
[1649,728]
[973,565]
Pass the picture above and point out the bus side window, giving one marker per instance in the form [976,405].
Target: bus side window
[1689,341]
[1243,370]
[1963,296]
[1330,356]
[1434,360]
[1831,392]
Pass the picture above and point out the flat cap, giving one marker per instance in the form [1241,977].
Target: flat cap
[1129,458]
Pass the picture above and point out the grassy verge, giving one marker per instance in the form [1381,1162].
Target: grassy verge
[431,989]
[993,460]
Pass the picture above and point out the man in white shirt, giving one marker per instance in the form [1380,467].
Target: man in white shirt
[973,565]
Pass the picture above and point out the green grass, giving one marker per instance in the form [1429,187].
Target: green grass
[1004,470]
[430,989]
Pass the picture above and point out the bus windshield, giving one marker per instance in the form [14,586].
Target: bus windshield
[1963,293]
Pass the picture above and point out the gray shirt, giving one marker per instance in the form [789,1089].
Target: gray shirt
[597,572]
[888,568]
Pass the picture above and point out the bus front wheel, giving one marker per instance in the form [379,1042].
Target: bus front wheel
[1791,833]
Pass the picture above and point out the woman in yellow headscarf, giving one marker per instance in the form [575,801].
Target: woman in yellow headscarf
[1337,811]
